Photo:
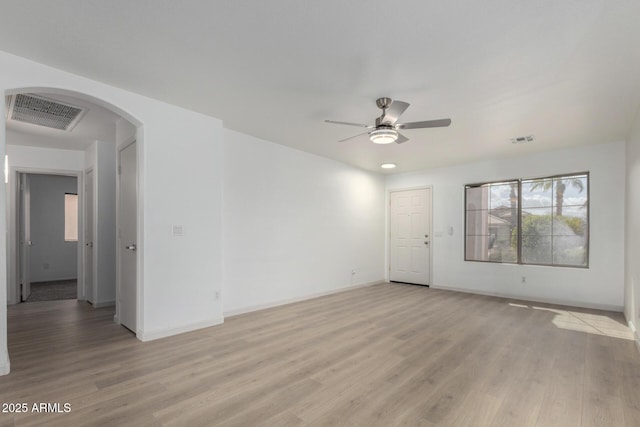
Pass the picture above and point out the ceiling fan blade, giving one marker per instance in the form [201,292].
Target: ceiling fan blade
[426,124]
[349,124]
[401,138]
[353,137]
[393,113]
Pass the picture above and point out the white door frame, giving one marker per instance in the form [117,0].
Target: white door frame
[139,238]
[94,278]
[387,270]
[14,241]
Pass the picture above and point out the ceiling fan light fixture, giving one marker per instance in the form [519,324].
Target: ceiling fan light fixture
[383,136]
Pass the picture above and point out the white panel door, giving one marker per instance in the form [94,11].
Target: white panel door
[410,236]
[127,237]
[89,291]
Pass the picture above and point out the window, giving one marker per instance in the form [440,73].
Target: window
[70,217]
[542,221]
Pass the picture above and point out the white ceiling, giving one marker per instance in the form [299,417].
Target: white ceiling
[565,71]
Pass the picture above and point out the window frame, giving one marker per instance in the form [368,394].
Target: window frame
[519,260]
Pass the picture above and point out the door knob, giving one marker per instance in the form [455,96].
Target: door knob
[131,247]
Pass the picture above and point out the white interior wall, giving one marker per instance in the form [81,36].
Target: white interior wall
[632,242]
[600,286]
[41,158]
[296,224]
[180,158]
[51,257]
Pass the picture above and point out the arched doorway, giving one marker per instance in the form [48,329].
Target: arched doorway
[99,252]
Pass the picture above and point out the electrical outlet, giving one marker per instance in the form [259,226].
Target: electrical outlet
[524,279]
[353,271]
[46,266]
[217,295]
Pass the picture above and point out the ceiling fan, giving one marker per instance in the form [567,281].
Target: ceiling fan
[385,131]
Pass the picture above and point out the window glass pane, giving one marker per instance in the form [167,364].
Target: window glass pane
[500,196]
[70,217]
[569,226]
[537,193]
[536,249]
[491,222]
[477,223]
[570,250]
[477,248]
[536,221]
[566,222]
[477,197]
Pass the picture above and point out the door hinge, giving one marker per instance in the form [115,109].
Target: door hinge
[119,170]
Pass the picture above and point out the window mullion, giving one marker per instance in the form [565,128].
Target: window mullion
[519,231]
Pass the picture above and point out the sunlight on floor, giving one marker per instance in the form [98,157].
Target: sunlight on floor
[598,324]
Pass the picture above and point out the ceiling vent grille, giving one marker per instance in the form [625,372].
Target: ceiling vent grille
[522,139]
[40,111]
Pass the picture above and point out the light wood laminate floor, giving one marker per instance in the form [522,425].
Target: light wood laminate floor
[383,355]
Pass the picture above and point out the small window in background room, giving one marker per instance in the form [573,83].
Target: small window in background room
[70,217]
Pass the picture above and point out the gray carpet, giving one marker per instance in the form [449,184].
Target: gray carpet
[56,290]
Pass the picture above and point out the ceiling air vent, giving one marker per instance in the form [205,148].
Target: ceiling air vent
[38,110]
[522,139]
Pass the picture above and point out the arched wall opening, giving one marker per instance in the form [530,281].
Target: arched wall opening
[180,186]
[133,132]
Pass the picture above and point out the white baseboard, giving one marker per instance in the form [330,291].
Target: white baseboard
[163,333]
[103,304]
[579,304]
[54,280]
[635,332]
[243,310]
[5,365]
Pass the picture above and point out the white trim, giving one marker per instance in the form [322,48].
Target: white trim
[13,242]
[633,329]
[163,333]
[577,304]
[94,273]
[103,304]
[56,280]
[5,367]
[238,311]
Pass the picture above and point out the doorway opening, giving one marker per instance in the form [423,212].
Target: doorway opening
[47,228]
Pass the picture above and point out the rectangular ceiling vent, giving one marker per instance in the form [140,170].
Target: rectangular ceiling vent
[522,139]
[40,111]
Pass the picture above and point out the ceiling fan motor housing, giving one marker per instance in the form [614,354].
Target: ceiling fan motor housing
[383,103]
